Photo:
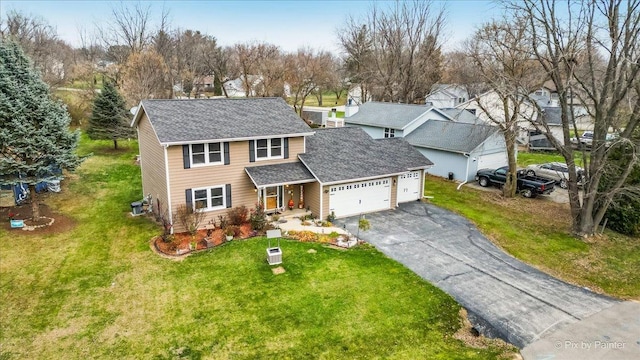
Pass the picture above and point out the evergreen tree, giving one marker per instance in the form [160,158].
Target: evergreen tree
[34,128]
[109,118]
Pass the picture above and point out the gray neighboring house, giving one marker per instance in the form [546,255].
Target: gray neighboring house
[459,148]
[455,140]
[385,120]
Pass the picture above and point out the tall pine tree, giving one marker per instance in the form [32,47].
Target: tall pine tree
[109,118]
[34,128]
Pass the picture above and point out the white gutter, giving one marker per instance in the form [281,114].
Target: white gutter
[256,137]
[467,174]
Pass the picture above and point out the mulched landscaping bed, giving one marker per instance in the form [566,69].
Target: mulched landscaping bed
[60,224]
[181,242]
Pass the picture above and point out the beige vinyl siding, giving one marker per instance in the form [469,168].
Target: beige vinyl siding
[394,192]
[242,189]
[312,198]
[152,164]
[325,200]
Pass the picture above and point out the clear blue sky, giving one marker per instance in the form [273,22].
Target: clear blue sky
[289,24]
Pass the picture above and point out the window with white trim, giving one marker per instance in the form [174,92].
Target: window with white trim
[269,149]
[206,154]
[211,198]
[389,133]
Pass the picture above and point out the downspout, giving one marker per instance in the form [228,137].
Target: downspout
[166,170]
[467,174]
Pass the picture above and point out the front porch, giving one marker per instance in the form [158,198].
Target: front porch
[283,188]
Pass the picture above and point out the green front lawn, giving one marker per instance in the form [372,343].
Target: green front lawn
[537,232]
[98,291]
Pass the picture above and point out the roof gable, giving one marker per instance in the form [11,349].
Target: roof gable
[194,120]
[348,153]
[450,136]
[387,115]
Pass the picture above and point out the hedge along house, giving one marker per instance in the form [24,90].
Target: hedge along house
[216,154]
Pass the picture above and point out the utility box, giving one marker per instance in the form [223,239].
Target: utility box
[274,254]
[136,207]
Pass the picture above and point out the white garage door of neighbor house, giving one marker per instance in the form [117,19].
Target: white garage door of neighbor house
[492,161]
[409,187]
[360,197]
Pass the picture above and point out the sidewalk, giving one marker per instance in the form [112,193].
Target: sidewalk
[294,223]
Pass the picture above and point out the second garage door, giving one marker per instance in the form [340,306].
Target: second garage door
[409,187]
[360,197]
[492,161]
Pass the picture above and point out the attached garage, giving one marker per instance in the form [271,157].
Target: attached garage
[409,187]
[360,197]
[459,149]
[492,161]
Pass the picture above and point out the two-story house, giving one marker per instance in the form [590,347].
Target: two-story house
[215,154]
[447,95]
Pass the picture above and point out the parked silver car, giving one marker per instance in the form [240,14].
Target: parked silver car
[555,171]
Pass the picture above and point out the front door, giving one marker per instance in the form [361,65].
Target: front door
[272,198]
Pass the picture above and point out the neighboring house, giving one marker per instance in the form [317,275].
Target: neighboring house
[384,120]
[216,154]
[488,107]
[459,150]
[203,82]
[355,97]
[447,95]
[236,87]
[455,140]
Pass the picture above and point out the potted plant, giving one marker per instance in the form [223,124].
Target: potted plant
[229,233]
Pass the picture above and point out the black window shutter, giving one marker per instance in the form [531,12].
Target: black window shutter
[252,151]
[286,148]
[189,200]
[227,192]
[226,153]
[185,156]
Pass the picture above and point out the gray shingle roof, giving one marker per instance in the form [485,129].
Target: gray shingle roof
[287,173]
[553,115]
[389,115]
[462,115]
[450,136]
[348,153]
[177,121]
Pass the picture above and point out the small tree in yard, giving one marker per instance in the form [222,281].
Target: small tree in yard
[190,218]
[34,129]
[109,118]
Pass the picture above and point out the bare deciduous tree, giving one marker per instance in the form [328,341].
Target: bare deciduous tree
[305,70]
[498,51]
[52,57]
[395,52]
[590,51]
[145,77]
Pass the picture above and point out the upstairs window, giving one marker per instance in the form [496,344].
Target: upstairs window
[206,154]
[389,133]
[269,149]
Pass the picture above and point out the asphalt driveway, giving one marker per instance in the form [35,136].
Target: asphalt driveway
[505,298]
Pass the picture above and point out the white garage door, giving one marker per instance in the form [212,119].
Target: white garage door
[360,197]
[492,161]
[409,187]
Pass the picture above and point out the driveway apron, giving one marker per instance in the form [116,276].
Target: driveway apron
[505,297]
